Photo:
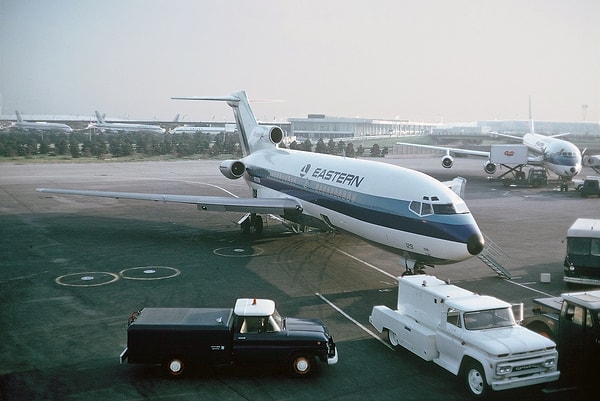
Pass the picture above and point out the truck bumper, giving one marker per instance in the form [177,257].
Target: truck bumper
[124,355]
[332,356]
[524,381]
[332,359]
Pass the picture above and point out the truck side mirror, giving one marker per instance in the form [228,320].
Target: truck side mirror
[570,312]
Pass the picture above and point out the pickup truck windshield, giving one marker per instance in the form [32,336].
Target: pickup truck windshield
[489,319]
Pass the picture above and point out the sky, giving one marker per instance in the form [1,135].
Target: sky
[426,60]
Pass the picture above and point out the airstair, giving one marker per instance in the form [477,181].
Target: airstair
[493,256]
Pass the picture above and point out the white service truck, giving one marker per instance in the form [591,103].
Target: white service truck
[471,335]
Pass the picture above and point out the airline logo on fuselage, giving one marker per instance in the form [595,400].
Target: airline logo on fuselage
[339,177]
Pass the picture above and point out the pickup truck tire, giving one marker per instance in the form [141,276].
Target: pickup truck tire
[393,339]
[474,376]
[301,365]
[175,366]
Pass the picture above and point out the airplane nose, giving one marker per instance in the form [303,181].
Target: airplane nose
[475,244]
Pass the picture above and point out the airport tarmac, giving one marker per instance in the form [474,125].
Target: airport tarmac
[74,268]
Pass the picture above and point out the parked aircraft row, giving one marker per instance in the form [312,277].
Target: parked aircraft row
[104,126]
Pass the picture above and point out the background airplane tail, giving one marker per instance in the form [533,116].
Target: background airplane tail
[99,117]
[253,137]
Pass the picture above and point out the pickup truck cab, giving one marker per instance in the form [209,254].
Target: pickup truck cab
[252,333]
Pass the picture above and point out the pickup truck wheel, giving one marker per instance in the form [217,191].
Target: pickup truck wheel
[475,380]
[393,338]
[175,367]
[302,365]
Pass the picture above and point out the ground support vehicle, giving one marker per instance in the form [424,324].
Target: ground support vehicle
[471,335]
[582,262]
[573,322]
[590,187]
[252,333]
[535,177]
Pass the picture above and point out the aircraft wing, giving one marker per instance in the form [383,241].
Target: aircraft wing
[447,150]
[279,206]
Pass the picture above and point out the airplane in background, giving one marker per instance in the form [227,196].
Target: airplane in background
[560,157]
[408,212]
[102,125]
[228,129]
[23,125]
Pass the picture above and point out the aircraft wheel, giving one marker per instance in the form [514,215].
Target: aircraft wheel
[258,224]
[246,226]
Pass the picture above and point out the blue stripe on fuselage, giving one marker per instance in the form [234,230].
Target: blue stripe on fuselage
[385,212]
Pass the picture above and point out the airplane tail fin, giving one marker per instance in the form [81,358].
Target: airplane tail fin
[253,136]
[531,127]
[99,117]
[19,118]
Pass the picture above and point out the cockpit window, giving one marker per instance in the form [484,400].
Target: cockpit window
[429,208]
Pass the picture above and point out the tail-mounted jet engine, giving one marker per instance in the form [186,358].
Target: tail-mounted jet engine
[489,167]
[447,161]
[275,134]
[232,169]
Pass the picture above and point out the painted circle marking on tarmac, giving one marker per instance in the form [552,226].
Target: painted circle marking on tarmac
[86,279]
[238,252]
[149,273]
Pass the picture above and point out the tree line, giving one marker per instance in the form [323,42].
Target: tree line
[123,144]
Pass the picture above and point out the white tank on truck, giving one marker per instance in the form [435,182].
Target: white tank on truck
[475,336]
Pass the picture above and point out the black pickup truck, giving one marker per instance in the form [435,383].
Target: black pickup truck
[252,333]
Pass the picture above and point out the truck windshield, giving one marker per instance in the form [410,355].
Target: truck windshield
[489,319]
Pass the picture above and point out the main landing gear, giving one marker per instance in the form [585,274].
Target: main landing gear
[412,267]
[252,220]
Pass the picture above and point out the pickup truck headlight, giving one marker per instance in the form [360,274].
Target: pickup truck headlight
[548,363]
[503,369]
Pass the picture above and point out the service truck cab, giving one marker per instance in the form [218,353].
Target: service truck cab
[252,333]
[573,322]
[468,334]
[582,262]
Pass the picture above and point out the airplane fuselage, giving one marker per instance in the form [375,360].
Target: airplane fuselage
[407,211]
[123,127]
[41,126]
[561,157]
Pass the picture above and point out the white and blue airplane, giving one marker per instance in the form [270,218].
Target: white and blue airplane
[410,213]
[561,157]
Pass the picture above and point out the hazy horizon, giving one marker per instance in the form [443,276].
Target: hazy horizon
[431,60]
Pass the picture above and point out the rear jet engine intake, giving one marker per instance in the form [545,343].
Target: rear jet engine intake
[232,169]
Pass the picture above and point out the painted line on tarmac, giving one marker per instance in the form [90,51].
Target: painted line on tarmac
[530,289]
[356,322]
[367,264]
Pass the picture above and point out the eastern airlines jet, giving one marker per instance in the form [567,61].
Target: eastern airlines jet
[405,211]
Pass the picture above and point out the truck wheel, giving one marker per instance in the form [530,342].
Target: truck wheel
[475,380]
[175,366]
[393,338]
[302,365]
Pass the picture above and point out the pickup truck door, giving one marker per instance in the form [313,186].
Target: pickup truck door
[255,342]
[449,341]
